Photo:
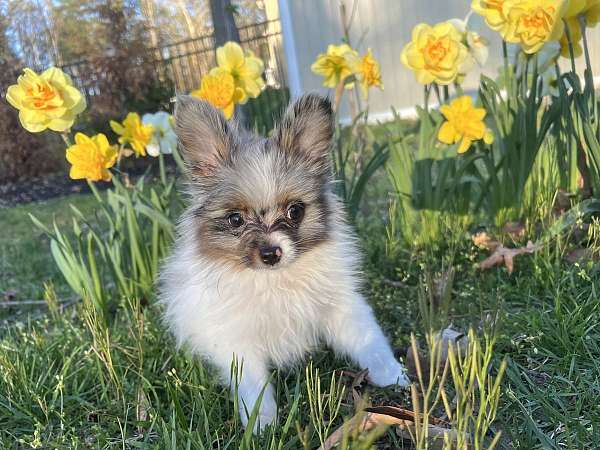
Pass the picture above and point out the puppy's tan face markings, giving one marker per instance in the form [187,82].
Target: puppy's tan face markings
[257,203]
[242,215]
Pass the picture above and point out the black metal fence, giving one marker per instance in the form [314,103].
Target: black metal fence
[183,64]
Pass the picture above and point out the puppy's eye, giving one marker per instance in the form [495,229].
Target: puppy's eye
[235,220]
[295,212]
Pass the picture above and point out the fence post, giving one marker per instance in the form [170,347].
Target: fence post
[289,44]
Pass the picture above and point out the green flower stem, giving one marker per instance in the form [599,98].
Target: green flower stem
[121,148]
[505,59]
[426,94]
[66,138]
[571,49]
[94,191]
[589,77]
[161,165]
[178,160]
[436,88]
[507,80]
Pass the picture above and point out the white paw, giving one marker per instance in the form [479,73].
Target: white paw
[267,414]
[388,374]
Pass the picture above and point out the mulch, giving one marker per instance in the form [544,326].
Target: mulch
[58,185]
[38,189]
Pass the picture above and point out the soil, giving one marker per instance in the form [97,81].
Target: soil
[53,185]
[37,189]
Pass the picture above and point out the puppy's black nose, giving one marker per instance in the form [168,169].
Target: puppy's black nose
[270,255]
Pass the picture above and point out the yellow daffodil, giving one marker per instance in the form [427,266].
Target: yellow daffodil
[245,69]
[436,54]
[133,132]
[91,157]
[336,65]
[464,124]
[220,91]
[48,100]
[492,12]
[590,10]
[368,73]
[530,23]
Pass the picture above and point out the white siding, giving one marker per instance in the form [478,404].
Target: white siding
[385,26]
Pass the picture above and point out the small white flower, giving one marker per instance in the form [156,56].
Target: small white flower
[164,139]
[478,45]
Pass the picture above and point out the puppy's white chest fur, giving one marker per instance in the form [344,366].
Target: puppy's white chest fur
[278,315]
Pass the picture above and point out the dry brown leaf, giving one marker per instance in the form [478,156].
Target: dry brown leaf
[142,406]
[404,414]
[485,241]
[358,379]
[503,255]
[386,416]
[514,229]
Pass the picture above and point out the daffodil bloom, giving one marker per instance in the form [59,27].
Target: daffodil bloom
[245,69]
[464,124]
[91,158]
[530,23]
[48,100]
[339,63]
[219,90]
[492,12]
[436,54]
[134,133]
[590,10]
[164,139]
[368,73]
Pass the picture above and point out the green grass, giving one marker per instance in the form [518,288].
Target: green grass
[70,383]
[25,261]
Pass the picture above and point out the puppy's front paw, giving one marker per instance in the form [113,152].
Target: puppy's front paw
[267,414]
[388,374]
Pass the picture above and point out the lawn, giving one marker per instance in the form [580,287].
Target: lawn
[25,260]
[66,384]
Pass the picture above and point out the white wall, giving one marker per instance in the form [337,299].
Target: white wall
[385,26]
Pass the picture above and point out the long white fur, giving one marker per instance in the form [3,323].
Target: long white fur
[269,318]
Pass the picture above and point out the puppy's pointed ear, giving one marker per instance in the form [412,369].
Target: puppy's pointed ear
[306,130]
[205,138]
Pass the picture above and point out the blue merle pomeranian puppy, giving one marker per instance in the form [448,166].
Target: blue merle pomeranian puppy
[265,266]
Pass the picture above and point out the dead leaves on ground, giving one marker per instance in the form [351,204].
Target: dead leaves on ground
[382,416]
[505,256]
[501,255]
[368,418]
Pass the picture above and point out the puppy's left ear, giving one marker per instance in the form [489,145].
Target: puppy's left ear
[306,130]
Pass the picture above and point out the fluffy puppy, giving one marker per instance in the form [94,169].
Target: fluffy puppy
[265,266]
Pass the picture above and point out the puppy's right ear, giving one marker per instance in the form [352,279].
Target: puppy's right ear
[306,130]
[205,138]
